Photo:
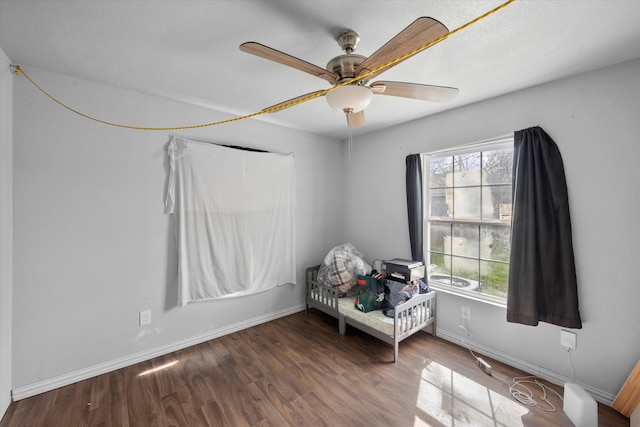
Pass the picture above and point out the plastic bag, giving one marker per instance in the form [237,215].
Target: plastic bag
[395,293]
[341,268]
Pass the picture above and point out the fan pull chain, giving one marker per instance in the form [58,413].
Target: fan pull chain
[350,144]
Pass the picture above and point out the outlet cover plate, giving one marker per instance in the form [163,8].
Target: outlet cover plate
[568,339]
[145,317]
[466,313]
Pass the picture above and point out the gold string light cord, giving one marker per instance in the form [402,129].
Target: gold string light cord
[19,71]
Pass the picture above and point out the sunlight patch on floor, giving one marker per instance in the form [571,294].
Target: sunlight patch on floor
[159,368]
[447,398]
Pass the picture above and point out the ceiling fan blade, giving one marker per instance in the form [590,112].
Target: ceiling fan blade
[292,101]
[419,32]
[355,120]
[291,61]
[415,91]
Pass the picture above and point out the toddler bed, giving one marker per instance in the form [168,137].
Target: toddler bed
[410,317]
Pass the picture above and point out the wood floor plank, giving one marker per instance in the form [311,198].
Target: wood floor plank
[322,413]
[143,396]
[298,379]
[214,415]
[176,408]
[37,409]
[303,406]
[246,404]
[230,400]
[259,403]
[99,417]
[198,361]
[280,394]
[118,405]
[265,341]
[299,371]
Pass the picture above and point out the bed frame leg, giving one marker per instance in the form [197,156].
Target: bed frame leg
[342,326]
[395,353]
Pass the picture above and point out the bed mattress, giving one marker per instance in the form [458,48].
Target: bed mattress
[376,319]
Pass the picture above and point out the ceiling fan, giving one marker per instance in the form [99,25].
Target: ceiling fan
[354,97]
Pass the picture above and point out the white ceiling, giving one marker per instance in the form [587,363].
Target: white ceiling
[188,50]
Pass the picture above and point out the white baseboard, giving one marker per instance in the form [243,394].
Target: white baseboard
[525,366]
[73,377]
[86,373]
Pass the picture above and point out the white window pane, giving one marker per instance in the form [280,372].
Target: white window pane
[438,203]
[496,242]
[496,202]
[439,168]
[494,277]
[498,165]
[454,282]
[439,264]
[467,162]
[466,270]
[465,240]
[489,207]
[465,203]
[439,234]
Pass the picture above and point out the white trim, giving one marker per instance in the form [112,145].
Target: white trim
[545,374]
[494,143]
[33,389]
[471,295]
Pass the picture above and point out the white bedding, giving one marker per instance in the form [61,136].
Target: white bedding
[376,319]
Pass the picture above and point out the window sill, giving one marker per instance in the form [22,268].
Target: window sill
[469,296]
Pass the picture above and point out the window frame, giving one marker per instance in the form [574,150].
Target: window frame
[501,143]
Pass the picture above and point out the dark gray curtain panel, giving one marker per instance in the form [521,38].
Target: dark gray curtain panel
[542,275]
[414,205]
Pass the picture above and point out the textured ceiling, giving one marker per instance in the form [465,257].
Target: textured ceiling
[188,50]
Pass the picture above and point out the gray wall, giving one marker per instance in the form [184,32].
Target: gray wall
[6,268]
[595,120]
[93,247]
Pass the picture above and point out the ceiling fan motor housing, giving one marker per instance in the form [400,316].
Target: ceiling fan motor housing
[345,66]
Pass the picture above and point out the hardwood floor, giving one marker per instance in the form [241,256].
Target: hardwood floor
[298,371]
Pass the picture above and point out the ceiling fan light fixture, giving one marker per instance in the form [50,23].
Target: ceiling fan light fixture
[350,98]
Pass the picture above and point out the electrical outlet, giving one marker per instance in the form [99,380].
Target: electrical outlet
[466,313]
[568,339]
[145,317]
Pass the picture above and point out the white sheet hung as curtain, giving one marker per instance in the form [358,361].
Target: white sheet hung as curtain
[234,217]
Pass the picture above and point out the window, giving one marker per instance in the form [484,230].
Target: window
[468,219]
